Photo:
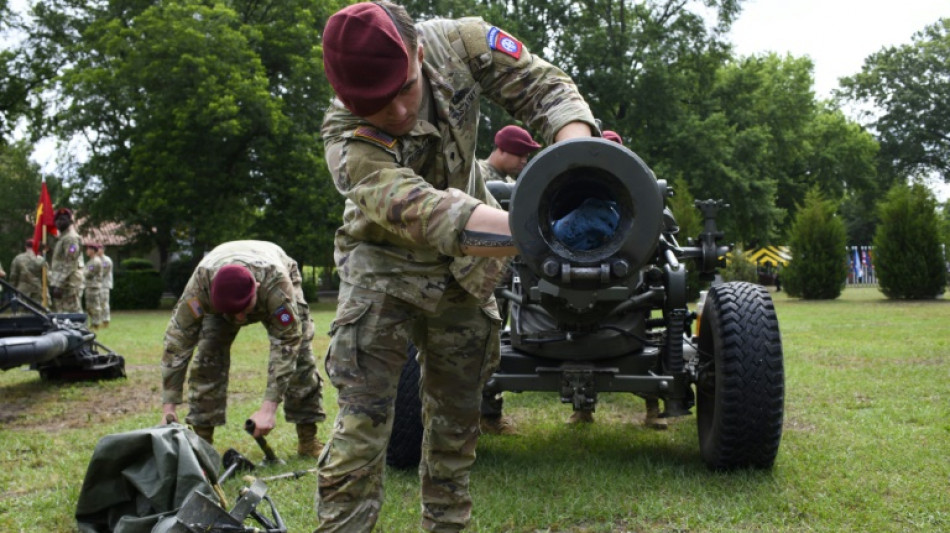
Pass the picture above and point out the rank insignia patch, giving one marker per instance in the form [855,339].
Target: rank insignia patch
[195,307]
[376,136]
[284,316]
[504,43]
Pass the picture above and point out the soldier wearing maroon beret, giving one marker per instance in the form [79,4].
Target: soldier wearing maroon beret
[422,244]
[66,275]
[235,284]
[513,145]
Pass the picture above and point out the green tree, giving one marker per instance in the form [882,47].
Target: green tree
[817,239]
[206,118]
[905,90]
[908,257]
[690,223]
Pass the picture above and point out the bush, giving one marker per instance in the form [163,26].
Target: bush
[818,269]
[690,223]
[908,258]
[137,285]
[136,263]
[739,267]
[177,273]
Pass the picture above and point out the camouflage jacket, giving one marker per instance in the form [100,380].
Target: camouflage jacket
[106,271]
[26,272]
[93,273]
[409,198]
[276,308]
[491,173]
[66,269]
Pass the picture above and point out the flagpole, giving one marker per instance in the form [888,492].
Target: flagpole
[45,287]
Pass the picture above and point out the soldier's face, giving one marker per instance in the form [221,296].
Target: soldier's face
[402,113]
[241,318]
[62,222]
[513,164]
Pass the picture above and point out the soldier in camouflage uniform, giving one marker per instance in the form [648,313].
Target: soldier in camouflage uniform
[240,283]
[422,244]
[66,270]
[93,280]
[26,273]
[513,145]
[105,288]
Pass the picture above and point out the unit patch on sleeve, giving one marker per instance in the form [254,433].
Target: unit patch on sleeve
[284,316]
[504,43]
[195,306]
[376,136]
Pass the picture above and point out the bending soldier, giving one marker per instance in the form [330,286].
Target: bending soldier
[240,283]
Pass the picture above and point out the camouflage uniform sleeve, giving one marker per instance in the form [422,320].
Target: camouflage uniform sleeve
[397,199]
[285,334]
[15,268]
[533,90]
[181,337]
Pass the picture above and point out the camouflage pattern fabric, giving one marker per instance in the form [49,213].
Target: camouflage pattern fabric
[66,272]
[292,376]
[458,343]
[93,280]
[105,290]
[26,274]
[404,275]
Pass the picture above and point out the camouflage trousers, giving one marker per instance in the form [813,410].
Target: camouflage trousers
[208,376]
[92,297]
[69,302]
[458,343]
[106,312]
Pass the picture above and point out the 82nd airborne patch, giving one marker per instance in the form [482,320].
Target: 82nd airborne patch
[504,43]
[284,316]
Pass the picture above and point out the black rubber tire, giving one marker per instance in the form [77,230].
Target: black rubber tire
[405,442]
[740,390]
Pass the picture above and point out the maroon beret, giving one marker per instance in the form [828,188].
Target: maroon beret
[232,289]
[364,57]
[515,140]
[613,136]
[92,244]
[63,211]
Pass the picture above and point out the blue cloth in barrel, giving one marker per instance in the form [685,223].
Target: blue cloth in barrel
[589,225]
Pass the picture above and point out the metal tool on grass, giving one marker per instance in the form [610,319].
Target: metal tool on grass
[270,458]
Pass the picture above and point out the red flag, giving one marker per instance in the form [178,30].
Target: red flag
[44,218]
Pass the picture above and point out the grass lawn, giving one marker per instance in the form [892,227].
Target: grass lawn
[865,446]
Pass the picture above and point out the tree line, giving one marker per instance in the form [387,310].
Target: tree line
[197,121]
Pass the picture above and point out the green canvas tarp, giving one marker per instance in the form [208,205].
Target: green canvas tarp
[134,479]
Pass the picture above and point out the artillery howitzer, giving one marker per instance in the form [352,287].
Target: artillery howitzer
[57,345]
[614,317]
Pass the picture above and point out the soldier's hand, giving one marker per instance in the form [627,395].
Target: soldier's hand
[168,414]
[56,292]
[264,419]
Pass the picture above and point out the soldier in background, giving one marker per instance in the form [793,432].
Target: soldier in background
[93,280]
[26,273]
[652,418]
[513,145]
[66,270]
[418,256]
[236,284]
[105,288]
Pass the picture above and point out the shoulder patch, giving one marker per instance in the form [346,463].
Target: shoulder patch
[284,316]
[195,307]
[376,136]
[72,248]
[504,43]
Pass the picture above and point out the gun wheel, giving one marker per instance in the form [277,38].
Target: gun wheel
[405,443]
[740,389]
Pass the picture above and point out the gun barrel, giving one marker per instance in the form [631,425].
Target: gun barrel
[17,351]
